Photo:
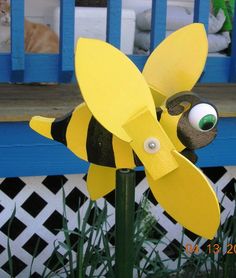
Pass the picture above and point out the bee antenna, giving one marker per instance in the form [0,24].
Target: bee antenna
[175,103]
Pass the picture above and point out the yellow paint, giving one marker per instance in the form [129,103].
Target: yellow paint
[177,63]
[169,123]
[42,125]
[144,126]
[158,97]
[112,86]
[123,153]
[187,196]
[76,133]
[100,181]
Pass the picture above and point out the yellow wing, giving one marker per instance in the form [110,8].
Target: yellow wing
[177,63]
[188,197]
[111,85]
[100,181]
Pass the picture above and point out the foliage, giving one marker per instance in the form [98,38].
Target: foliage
[88,249]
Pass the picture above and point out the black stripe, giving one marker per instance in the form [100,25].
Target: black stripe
[99,145]
[137,161]
[59,127]
[159,111]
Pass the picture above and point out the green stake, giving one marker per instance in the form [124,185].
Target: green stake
[124,252]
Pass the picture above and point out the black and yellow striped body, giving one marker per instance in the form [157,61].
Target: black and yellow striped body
[90,141]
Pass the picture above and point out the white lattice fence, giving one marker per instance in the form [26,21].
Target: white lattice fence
[39,214]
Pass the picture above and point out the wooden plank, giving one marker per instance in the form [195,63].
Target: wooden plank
[17,41]
[222,95]
[21,102]
[113,32]
[67,16]
[201,12]
[158,26]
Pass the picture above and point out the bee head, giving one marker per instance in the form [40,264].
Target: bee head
[189,121]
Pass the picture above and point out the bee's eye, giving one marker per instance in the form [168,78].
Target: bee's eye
[203,117]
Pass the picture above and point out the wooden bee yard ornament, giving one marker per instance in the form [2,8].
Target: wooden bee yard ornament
[151,118]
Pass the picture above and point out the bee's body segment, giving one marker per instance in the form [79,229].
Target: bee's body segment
[59,128]
[88,139]
[99,145]
[77,130]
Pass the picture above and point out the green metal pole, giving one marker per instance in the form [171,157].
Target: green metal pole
[124,234]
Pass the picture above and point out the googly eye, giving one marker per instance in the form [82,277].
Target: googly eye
[203,117]
[152,145]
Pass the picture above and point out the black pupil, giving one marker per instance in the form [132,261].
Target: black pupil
[207,126]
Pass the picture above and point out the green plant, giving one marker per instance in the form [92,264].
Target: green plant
[9,253]
[89,239]
[88,248]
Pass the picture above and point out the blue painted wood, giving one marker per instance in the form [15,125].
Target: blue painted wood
[233,50]
[201,12]
[158,26]
[67,19]
[59,68]
[216,70]
[222,151]
[113,31]
[25,153]
[44,68]
[17,40]
[38,68]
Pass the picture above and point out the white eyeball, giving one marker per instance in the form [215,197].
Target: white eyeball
[203,117]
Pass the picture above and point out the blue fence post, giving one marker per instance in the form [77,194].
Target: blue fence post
[67,23]
[114,8]
[232,72]
[158,28]
[17,41]
[201,12]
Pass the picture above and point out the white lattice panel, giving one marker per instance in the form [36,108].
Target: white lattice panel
[39,214]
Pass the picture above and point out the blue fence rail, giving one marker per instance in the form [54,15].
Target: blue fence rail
[19,66]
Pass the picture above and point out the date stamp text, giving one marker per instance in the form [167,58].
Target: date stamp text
[211,249]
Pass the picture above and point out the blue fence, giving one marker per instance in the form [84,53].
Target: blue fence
[19,153]
[19,66]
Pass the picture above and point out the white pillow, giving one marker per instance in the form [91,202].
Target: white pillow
[178,17]
[216,42]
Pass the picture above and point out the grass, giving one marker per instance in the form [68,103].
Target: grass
[90,253]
